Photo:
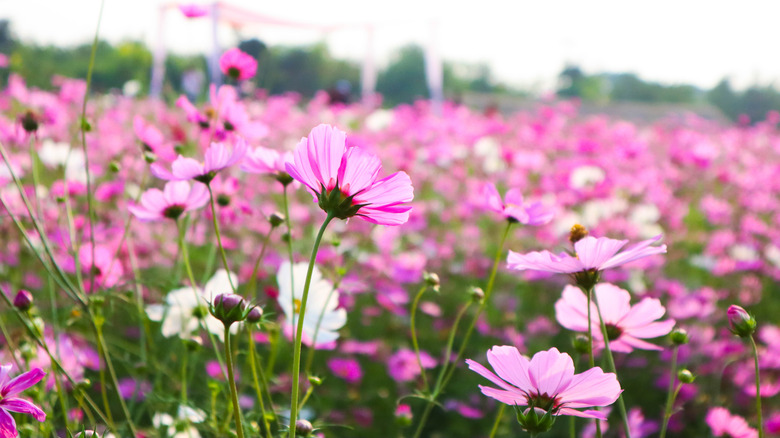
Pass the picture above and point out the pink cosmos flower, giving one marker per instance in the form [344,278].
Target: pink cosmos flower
[237,64]
[722,423]
[9,402]
[547,381]
[347,369]
[344,180]
[217,157]
[192,10]
[592,254]
[515,208]
[626,325]
[176,198]
[267,161]
[403,366]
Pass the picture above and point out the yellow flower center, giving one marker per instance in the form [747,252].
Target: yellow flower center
[297,305]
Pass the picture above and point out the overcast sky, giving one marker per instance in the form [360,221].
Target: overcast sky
[526,43]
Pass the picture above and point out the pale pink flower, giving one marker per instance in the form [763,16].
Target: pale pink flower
[546,381]
[344,180]
[217,157]
[237,64]
[515,209]
[9,402]
[591,254]
[193,10]
[722,423]
[263,160]
[403,365]
[626,325]
[176,198]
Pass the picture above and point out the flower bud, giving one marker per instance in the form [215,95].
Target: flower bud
[87,433]
[29,122]
[23,300]
[534,420]
[477,294]
[315,381]
[303,428]
[114,166]
[577,233]
[223,200]
[431,279]
[740,322]
[229,308]
[403,415]
[276,219]
[150,157]
[284,178]
[581,344]
[685,376]
[679,337]
[255,315]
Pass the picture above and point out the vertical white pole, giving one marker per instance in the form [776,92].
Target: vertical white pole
[434,70]
[214,73]
[368,72]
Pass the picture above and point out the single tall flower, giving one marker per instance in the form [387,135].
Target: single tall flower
[217,157]
[626,325]
[344,180]
[515,209]
[9,402]
[546,382]
[322,319]
[176,198]
[237,64]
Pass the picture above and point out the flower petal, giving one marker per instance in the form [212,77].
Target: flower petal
[22,382]
[23,407]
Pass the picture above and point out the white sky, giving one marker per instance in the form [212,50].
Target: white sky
[526,42]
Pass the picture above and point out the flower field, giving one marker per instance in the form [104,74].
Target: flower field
[215,269]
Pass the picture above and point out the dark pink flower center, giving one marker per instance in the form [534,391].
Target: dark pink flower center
[543,401]
[613,331]
[173,211]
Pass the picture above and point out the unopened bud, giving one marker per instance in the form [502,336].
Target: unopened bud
[685,376]
[150,157]
[87,433]
[229,308]
[403,415]
[577,233]
[432,279]
[284,178]
[23,300]
[679,337]
[740,322]
[581,344]
[315,381]
[29,122]
[255,315]
[303,428]
[477,294]
[223,200]
[276,219]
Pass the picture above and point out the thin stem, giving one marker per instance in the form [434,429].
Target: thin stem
[611,364]
[111,372]
[104,387]
[219,236]
[299,332]
[591,359]
[758,389]
[286,207]
[498,420]
[184,356]
[254,364]
[83,127]
[232,382]
[670,396]
[415,344]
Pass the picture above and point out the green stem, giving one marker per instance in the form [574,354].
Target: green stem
[104,389]
[219,236]
[90,195]
[670,396]
[415,344]
[252,293]
[232,382]
[111,372]
[611,364]
[498,420]
[184,356]
[286,207]
[758,389]
[299,332]
[591,359]
[254,364]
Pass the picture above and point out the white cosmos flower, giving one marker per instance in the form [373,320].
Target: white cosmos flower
[185,413]
[320,307]
[179,313]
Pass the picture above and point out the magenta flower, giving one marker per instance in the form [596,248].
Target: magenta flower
[592,254]
[515,209]
[344,180]
[9,402]
[217,157]
[176,198]
[346,368]
[237,64]
[404,367]
[192,10]
[722,423]
[268,161]
[626,325]
[547,381]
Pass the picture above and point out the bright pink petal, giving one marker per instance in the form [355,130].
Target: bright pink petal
[326,146]
[359,171]
[484,372]
[638,251]
[593,252]
[652,330]
[492,198]
[643,313]
[176,192]
[550,371]
[593,387]
[571,310]
[301,168]
[633,342]
[160,172]
[508,397]
[198,197]
[186,168]
[7,425]
[23,407]
[143,214]
[510,366]
[590,413]
[538,214]
[391,190]
[392,215]
[544,261]
[613,301]
[22,382]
